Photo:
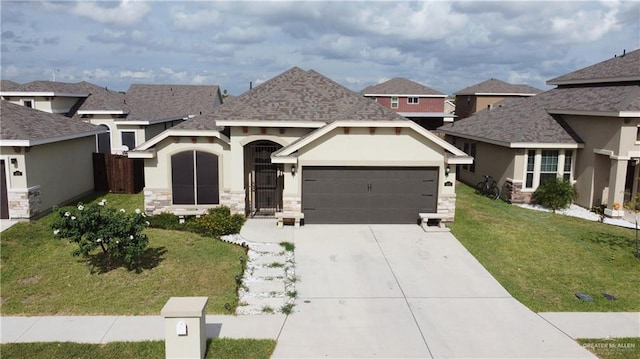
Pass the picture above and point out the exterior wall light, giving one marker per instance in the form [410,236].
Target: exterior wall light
[447,170]
[293,170]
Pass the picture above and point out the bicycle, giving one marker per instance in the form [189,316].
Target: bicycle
[489,187]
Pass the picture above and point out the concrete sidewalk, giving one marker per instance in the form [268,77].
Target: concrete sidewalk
[596,325]
[105,329]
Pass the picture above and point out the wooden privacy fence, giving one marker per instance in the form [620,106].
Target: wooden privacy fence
[117,173]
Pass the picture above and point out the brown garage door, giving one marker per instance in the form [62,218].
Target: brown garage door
[368,194]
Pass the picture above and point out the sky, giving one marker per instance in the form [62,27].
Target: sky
[445,45]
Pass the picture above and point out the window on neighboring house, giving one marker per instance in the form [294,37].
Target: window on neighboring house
[394,102]
[27,103]
[128,139]
[470,149]
[194,178]
[568,158]
[104,141]
[412,100]
[548,165]
[531,166]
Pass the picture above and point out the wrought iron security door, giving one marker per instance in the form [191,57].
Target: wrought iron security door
[264,181]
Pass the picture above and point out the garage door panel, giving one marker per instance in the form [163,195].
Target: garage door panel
[368,194]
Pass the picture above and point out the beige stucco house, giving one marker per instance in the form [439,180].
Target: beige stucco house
[45,160]
[482,95]
[129,118]
[585,130]
[302,144]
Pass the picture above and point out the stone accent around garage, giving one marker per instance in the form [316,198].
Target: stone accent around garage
[447,206]
[292,203]
[24,204]
[157,201]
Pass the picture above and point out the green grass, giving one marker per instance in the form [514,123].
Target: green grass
[218,348]
[543,259]
[39,276]
[619,348]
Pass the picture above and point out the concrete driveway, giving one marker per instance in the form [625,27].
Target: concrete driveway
[395,291]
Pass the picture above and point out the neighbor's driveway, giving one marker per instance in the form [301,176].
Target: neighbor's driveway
[396,291]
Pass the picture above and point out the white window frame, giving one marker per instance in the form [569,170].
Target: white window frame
[135,137]
[395,102]
[33,102]
[410,100]
[560,170]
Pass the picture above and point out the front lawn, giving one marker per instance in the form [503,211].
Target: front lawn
[544,259]
[40,277]
[217,348]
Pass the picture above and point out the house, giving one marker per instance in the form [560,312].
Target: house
[421,104]
[45,160]
[487,93]
[585,131]
[130,119]
[304,145]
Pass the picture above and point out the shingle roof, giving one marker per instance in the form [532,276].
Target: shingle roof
[50,86]
[594,99]
[26,124]
[296,95]
[619,68]
[169,101]
[102,99]
[495,86]
[8,85]
[400,86]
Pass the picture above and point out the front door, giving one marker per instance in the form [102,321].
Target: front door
[264,181]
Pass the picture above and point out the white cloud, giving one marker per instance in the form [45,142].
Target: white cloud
[586,26]
[126,13]
[194,20]
[137,75]
[174,75]
[242,35]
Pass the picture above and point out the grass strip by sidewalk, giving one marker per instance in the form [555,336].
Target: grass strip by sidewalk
[544,259]
[40,277]
[218,348]
[617,348]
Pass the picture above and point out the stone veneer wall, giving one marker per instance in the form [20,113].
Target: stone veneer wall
[24,204]
[447,205]
[233,200]
[512,192]
[292,203]
[156,200]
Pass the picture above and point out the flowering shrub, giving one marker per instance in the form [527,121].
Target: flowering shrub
[555,193]
[217,222]
[117,233]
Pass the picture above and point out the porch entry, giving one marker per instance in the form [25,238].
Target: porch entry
[263,180]
[4,203]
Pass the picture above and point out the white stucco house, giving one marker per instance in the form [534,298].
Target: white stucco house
[301,143]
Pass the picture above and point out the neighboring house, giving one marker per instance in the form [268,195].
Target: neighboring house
[584,131]
[301,143]
[487,93]
[449,106]
[421,104]
[130,119]
[45,160]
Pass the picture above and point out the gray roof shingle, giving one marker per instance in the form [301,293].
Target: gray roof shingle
[400,86]
[295,95]
[625,67]
[26,124]
[170,101]
[8,85]
[495,86]
[50,86]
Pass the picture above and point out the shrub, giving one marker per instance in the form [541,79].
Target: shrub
[165,221]
[554,194]
[117,233]
[217,222]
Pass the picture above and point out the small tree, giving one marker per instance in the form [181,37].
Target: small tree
[117,233]
[555,193]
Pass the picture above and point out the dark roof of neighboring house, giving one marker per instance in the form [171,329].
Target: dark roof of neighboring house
[594,99]
[8,85]
[173,100]
[102,99]
[26,124]
[295,95]
[400,86]
[619,68]
[49,86]
[498,87]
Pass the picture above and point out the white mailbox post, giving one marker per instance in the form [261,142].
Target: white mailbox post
[184,327]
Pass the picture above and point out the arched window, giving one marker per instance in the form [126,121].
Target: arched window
[194,177]
[104,140]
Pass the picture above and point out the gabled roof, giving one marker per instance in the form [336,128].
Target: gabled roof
[498,87]
[616,101]
[293,98]
[46,88]
[514,122]
[400,86]
[7,85]
[618,69]
[24,126]
[101,99]
[173,100]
